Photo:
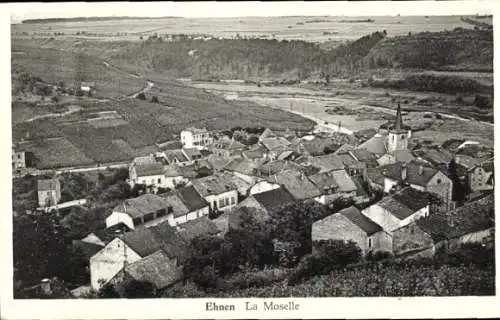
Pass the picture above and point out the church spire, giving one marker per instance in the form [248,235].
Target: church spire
[399,119]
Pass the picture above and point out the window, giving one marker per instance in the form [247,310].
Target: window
[369,242]
[159,180]
[137,221]
[221,203]
[439,181]
[19,156]
[402,137]
[226,201]
[148,217]
[161,213]
[233,200]
[170,209]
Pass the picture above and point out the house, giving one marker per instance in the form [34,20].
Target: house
[334,185]
[376,144]
[177,157]
[149,174]
[351,224]
[471,223]
[49,192]
[434,156]
[399,209]
[21,160]
[418,175]
[219,190]
[192,154]
[173,176]
[244,169]
[297,183]
[257,153]
[266,134]
[194,205]
[227,147]
[196,138]
[365,156]
[217,163]
[397,156]
[325,163]
[196,228]
[122,250]
[88,87]
[146,210]
[320,146]
[481,177]
[274,167]
[157,269]
[275,146]
[261,205]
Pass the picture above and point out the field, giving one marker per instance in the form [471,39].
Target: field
[358,108]
[317,29]
[110,127]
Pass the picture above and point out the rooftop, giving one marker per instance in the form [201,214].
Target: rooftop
[405,202]
[355,216]
[197,227]
[48,184]
[275,199]
[147,203]
[144,170]
[214,185]
[416,173]
[376,144]
[157,269]
[297,183]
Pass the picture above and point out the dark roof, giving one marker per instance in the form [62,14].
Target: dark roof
[435,156]
[143,241]
[375,175]
[47,184]
[327,162]
[324,180]
[275,199]
[242,165]
[297,183]
[413,174]
[472,217]
[191,198]
[398,123]
[175,154]
[170,145]
[404,203]
[215,184]
[412,198]
[157,269]
[153,169]
[317,146]
[197,227]
[172,243]
[364,155]
[355,216]
[85,248]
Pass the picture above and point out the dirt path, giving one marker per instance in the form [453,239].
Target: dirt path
[71,109]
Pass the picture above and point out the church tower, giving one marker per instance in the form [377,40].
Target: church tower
[398,134]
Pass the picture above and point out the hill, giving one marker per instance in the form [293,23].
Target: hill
[264,59]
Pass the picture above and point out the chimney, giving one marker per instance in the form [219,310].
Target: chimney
[45,286]
[420,170]
[403,172]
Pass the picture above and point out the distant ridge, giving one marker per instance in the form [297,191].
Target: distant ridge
[78,19]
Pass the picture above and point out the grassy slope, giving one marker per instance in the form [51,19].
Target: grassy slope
[180,106]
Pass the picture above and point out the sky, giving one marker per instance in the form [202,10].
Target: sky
[21,11]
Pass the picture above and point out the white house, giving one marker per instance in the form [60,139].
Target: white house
[124,249]
[147,174]
[196,138]
[146,210]
[481,177]
[218,190]
[399,209]
[192,206]
[49,192]
[351,224]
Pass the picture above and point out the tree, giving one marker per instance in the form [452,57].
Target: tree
[141,96]
[154,99]
[139,290]
[458,193]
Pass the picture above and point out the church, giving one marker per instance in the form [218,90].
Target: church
[393,144]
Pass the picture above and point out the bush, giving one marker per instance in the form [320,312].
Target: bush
[482,101]
[378,255]
[141,96]
[154,99]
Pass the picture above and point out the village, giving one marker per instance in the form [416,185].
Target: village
[374,188]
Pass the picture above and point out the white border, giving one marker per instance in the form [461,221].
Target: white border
[431,307]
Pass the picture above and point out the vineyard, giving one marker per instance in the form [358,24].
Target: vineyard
[374,280]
